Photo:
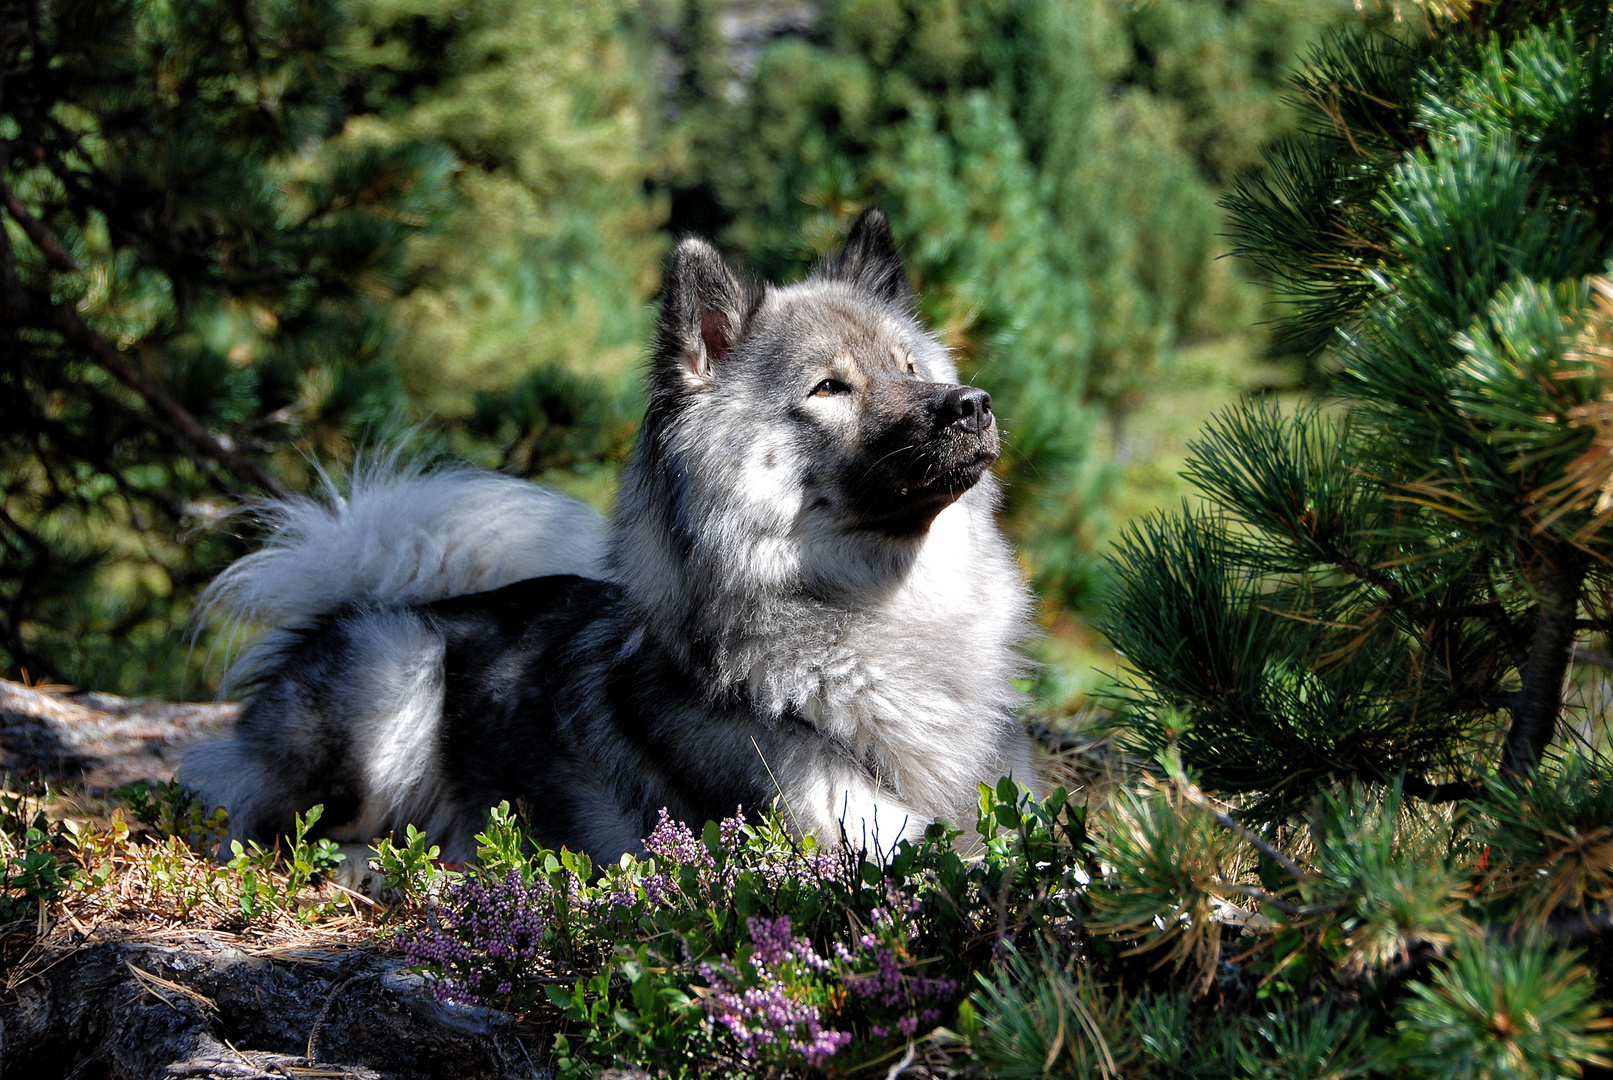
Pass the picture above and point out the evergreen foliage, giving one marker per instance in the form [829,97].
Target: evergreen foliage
[1365,633]
[1361,640]
[182,289]
[1398,585]
[290,231]
[242,240]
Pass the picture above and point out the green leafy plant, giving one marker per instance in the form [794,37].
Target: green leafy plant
[31,872]
[408,872]
[272,878]
[173,810]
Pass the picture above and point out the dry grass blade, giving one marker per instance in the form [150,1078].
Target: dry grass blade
[1059,1035]
[900,1067]
[166,992]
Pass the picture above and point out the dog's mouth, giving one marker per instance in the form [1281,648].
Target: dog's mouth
[908,500]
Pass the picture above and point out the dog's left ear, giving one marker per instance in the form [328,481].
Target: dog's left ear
[870,260]
[704,310]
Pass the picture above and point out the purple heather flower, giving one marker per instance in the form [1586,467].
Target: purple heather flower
[766,1016]
[672,841]
[485,932]
[732,829]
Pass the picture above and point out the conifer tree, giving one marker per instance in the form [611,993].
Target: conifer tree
[537,286]
[188,274]
[1400,584]
[241,240]
[1370,843]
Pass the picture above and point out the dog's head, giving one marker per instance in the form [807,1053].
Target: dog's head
[824,402]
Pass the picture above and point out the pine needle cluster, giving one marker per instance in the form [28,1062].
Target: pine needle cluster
[239,241]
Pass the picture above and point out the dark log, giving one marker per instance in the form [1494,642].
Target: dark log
[140,1010]
[99,740]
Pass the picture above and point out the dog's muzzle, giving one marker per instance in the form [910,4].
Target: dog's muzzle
[946,441]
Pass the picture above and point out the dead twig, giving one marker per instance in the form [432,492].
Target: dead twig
[900,1067]
[1192,794]
[319,1021]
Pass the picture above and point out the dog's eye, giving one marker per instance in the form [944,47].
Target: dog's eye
[912,368]
[829,387]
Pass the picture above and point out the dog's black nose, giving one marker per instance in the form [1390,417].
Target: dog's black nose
[968,407]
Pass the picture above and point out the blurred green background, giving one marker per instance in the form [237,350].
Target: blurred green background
[325,226]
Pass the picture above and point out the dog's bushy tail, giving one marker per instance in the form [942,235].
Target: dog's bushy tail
[399,535]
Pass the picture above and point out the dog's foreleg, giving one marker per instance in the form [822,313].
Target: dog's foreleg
[838,800]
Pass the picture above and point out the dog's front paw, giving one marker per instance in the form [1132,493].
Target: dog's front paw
[356,874]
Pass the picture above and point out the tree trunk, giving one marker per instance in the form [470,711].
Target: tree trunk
[1540,698]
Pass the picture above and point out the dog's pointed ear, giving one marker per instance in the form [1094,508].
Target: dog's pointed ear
[870,260]
[704,309]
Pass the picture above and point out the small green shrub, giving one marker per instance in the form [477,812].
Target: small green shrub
[271,878]
[31,871]
[172,809]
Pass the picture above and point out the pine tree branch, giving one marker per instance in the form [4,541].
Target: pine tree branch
[1511,638]
[1401,600]
[1192,794]
[41,236]
[107,355]
[153,422]
[1254,892]
[21,304]
[1583,655]
[1398,599]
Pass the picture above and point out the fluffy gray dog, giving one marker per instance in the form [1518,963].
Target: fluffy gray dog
[803,595]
